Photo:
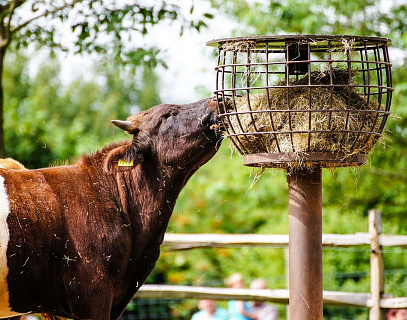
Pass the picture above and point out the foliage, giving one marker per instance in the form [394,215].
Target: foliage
[363,17]
[101,27]
[95,26]
[218,198]
[46,122]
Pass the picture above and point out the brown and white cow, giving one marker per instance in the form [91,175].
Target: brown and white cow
[78,241]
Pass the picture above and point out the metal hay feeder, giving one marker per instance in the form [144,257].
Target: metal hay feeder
[304,102]
[309,89]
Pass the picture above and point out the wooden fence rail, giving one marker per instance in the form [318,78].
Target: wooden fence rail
[375,300]
[180,241]
[276,296]
[331,298]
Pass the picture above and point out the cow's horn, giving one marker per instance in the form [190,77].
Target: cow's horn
[124,125]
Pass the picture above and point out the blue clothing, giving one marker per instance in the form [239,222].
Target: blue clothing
[234,313]
[220,314]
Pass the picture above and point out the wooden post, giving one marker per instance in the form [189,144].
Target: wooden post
[376,265]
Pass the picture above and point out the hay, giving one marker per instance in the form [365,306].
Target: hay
[320,131]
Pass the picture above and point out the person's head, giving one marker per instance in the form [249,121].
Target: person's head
[258,284]
[235,281]
[396,314]
[207,305]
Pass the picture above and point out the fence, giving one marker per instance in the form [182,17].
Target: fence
[375,300]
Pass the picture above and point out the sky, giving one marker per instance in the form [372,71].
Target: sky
[190,62]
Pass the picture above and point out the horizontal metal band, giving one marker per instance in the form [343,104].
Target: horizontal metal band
[324,159]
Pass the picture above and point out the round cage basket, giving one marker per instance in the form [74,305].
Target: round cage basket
[303,100]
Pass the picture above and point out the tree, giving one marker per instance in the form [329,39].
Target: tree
[48,122]
[98,26]
[363,17]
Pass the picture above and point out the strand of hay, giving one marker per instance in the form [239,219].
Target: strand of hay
[274,104]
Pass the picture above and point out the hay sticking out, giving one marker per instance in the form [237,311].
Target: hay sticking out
[325,119]
[237,46]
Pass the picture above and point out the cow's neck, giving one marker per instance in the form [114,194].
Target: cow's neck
[145,194]
[148,194]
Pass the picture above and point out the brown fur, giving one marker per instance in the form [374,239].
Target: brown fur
[84,238]
[9,163]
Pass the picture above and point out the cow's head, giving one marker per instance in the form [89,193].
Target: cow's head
[182,137]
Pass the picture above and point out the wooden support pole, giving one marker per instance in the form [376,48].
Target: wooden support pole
[376,265]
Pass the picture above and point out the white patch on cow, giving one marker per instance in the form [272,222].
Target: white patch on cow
[2,167]
[5,310]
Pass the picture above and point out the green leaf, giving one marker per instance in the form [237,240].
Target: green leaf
[208,15]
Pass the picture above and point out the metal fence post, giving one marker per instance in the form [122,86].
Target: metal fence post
[305,244]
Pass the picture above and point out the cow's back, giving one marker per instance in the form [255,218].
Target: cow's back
[31,225]
[57,231]
[9,163]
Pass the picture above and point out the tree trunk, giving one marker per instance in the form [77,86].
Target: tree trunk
[2,148]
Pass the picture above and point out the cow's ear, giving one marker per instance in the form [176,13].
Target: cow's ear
[122,158]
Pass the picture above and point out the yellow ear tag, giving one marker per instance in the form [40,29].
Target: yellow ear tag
[124,163]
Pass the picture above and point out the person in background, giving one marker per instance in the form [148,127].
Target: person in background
[28,317]
[209,311]
[238,310]
[263,311]
[396,314]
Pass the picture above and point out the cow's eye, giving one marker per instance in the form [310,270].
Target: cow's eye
[164,118]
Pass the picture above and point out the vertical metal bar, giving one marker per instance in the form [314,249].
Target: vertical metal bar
[389,80]
[287,83]
[363,69]
[331,87]
[249,86]
[237,140]
[268,97]
[310,106]
[241,137]
[375,127]
[349,98]
[369,85]
[220,91]
[229,128]
[379,67]
[305,245]
[389,84]
[361,116]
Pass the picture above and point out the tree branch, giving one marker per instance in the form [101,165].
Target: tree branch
[14,5]
[45,13]
[3,11]
[4,8]
[8,10]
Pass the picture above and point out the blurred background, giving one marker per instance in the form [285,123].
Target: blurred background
[69,67]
